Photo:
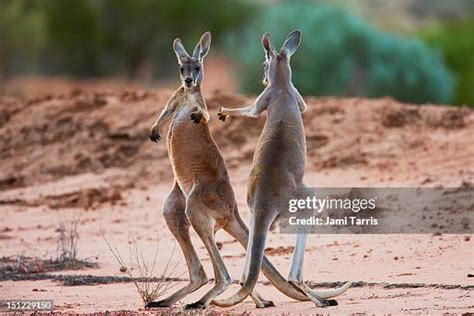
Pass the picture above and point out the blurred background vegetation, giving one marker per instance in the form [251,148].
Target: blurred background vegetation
[413,50]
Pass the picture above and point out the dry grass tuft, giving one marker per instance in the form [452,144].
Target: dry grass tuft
[67,242]
[149,288]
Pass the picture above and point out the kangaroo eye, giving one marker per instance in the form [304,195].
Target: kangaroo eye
[197,68]
[181,69]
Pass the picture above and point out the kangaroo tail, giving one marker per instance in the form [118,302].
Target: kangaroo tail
[257,246]
[333,293]
[260,228]
[239,231]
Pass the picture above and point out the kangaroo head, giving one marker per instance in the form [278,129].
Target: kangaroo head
[277,65]
[191,70]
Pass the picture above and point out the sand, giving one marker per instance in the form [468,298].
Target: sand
[85,154]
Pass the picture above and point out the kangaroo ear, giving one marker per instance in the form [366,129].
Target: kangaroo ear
[202,48]
[179,50]
[291,43]
[267,45]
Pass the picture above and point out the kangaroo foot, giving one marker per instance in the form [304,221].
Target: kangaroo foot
[259,301]
[317,300]
[158,304]
[196,305]
[265,304]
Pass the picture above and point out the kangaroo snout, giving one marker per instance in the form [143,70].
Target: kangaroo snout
[188,81]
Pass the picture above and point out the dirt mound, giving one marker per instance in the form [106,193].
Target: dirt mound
[79,132]
[47,138]
[11,267]
[446,118]
[400,117]
[86,198]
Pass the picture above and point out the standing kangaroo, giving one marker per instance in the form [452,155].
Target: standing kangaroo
[202,196]
[278,168]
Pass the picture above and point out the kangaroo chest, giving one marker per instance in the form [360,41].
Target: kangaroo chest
[192,151]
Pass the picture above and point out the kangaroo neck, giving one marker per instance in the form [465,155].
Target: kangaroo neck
[192,90]
[281,83]
[283,102]
[281,77]
[194,97]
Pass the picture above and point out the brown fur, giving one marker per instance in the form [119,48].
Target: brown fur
[202,196]
[278,167]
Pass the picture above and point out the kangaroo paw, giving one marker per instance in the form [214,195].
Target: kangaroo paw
[221,115]
[155,136]
[196,117]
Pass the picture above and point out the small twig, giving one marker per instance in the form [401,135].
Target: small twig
[148,287]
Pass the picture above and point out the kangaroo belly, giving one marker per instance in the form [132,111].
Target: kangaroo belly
[193,154]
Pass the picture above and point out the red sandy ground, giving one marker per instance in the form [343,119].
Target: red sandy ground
[88,153]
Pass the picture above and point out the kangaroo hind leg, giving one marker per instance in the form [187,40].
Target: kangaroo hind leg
[296,273]
[204,224]
[178,224]
[237,229]
[321,299]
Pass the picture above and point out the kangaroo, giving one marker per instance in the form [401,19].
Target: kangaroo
[202,196]
[278,168]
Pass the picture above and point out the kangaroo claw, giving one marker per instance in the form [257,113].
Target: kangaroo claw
[155,136]
[196,117]
[221,115]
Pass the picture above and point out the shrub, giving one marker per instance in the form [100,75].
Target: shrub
[124,37]
[73,39]
[141,272]
[341,54]
[21,37]
[455,40]
[108,37]
[137,32]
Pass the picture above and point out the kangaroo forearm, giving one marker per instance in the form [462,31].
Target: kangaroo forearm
[253,110]
[170,108]
[301,103]
[205,114]
[167,112]
[164,116]
[249,111]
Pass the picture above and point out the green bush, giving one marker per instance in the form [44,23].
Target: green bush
[135,32]
[341,54]
[73,39]
[21,37]
[88,38]
[456,41]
